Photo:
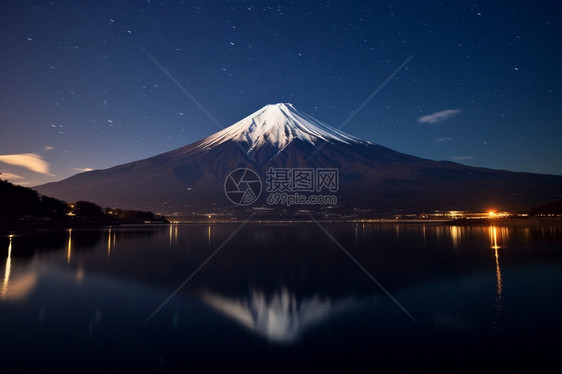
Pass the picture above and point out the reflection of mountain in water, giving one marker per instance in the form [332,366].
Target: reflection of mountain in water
[279,281]
[280,317]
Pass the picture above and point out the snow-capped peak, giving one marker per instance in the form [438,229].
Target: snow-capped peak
[278,125]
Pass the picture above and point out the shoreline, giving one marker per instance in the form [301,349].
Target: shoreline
[8,226]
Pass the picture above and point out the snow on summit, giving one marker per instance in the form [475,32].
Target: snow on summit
[278,125]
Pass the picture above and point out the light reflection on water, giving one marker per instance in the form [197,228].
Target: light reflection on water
[69,246]
[7,270]
[288,283]
[16,287]
[109,237]
[498,302]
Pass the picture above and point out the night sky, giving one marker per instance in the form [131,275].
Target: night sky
[79,89]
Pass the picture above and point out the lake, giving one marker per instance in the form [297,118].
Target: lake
[278,297]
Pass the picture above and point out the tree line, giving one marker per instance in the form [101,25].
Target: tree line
[551,209]
[18,202]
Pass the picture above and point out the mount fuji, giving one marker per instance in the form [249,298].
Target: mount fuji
[373,180]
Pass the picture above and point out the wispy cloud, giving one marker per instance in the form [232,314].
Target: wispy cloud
[30,161]
[439,116]
[83,169]
[443,139]
[461,158]
[9,176]
[48,148]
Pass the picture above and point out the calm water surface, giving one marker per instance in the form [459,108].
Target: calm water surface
[274,297]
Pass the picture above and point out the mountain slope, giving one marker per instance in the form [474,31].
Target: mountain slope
[372,178]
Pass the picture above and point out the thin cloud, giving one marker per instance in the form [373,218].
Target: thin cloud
[9,176]
[444,139]
[48,148]
[461,158]
[439,116]
[30,161]
[83,169]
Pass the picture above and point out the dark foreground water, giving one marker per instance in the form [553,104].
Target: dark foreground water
[279,297]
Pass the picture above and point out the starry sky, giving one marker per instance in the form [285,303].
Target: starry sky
[83,88]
